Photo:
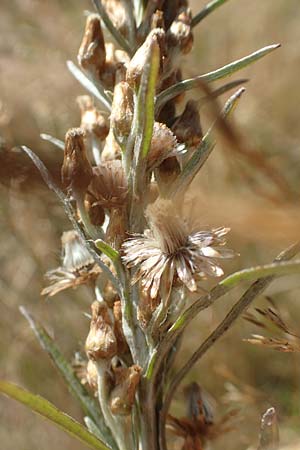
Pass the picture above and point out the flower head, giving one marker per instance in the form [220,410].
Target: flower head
[78,266]
[168,249]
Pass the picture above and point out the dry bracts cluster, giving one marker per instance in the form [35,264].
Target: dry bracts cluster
[127,166]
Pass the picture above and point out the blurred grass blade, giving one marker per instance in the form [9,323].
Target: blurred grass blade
[89,405]
[57,142]
[274,269]
[209,8]
[111,28]
[69,212]
[215,75]
[88,84]
[41,406]
[199,157]
[269,433]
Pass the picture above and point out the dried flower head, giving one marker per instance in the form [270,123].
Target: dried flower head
[78,266]
[76,170]
[167,248]
[163,145]
[92,120]
[117,13]
[111,150]
[91,54]
[114,59]
[122,396]
[109,184]
[101,342]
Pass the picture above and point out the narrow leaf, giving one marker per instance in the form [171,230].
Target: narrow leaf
[89,405]
[223,72]
[97,91]
[209,8]
[274,269]
[111,28]
[199,157]
[46,409]
[57,142]
[105,248]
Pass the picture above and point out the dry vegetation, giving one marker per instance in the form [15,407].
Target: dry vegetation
[38,95]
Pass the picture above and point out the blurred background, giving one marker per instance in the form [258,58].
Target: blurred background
[38,95]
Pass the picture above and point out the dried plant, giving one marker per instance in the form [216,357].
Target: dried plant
[125,172]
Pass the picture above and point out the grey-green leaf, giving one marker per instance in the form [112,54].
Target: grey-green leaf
[46,409]
[89,405]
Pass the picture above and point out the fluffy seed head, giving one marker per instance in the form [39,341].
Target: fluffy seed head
[167,250]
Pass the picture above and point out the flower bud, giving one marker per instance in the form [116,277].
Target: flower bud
[92,121]
[101,342]
[91,55]
[115,58]
[109,184]
[122,396]
[136,66]
[76,170]
[187,127]
[95,211]
[122,109]
[180,35]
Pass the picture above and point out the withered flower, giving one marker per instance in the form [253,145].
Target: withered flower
[126,382]
[168,249]
[163,145]
[199,427]
[78,266]
[76,170]
[92,55]
[109,184]
[92,120]
[101,342]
